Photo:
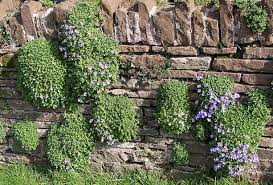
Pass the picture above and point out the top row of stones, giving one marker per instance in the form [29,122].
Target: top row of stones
[181,24]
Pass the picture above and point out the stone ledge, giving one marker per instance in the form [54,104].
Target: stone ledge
[243,65]
[182,51]
[191,63]
[257,79]
[218,51]
[134,48]
[258,52]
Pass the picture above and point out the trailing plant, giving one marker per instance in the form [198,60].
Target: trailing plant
[114,119]
[69,143]
[41,74]
[173,107]
[255,14]
[215,93]
[237,134]
[2,131]
[91,56]
[25,136]
[180,154]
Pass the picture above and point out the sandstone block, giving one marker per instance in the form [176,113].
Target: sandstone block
[257,79]
[62,9]
[182,51]
[218,51]
[191,63]
[134,48]
[258,52]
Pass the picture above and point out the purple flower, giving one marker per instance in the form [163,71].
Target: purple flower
[66,161]
[90,68]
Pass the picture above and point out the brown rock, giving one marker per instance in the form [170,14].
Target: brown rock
[17,29]
[134,35]
[218,51]
[61,10]
[243,65]
[241,88]
[267,142]
[268,34]
[28,11]
[198,27]
[134,48]
[46,23]
[258,53]
[183,13]
[145,9]
[257,79]
[243,35]
[121,25]
[191,63]
[265,153]
[158,49]
[109,7]
[9,6]
[182,51]
[182,74]
[212,34]
[165,26]
[227,23]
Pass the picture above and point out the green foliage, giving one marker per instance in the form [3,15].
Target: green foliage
[114,118]
[256,18]
[173,108]
[47,3]
[41,73]
[2,131]
[25,136]
[69,143]
[245,122]
[220,86]
[92,57]
[21,174]
[255,14]
[207,2]
[180,154]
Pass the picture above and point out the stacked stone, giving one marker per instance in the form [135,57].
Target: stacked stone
[195,39]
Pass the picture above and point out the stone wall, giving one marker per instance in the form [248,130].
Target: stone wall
[197,39]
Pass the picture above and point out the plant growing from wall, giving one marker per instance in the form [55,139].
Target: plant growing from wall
[173,107]
[114,118]
[69,143]
[180,154]
[215,93]
[25,136]
[41,74]
[2,131]
[237,133]
[255,14]
[5,34]
[91,56]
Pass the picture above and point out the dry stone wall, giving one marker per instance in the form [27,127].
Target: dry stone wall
[213,41]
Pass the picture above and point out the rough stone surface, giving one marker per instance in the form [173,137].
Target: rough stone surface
[227,23]
[182,51]
[268,34]
[61,10]
[191,63]
[258,53]
[8,6]
[257,79]
[218,51]
[198,27]
[134,48]
[211,21]
[17,29]
[183,13]
[164,25]
[121,25]
[243,65]
[28,11]
[134,33]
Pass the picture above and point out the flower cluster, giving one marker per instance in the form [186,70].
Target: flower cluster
[69,37]
[214,102]
[69,166]
[102,132]
[233,160]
